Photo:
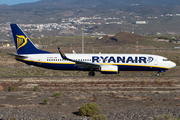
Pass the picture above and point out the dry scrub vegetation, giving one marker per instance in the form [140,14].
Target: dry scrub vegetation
[97,98]
[127,97]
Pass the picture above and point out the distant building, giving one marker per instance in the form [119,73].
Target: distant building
[171,33]
[7,45]
[140,22]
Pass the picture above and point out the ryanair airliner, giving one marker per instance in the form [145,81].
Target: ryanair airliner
[104,63]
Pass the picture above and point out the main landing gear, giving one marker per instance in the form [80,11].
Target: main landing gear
[91,73]
[158,74]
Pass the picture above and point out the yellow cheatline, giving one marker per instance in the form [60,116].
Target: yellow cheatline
[102,64]
[108,70]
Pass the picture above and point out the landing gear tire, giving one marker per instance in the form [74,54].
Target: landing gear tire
[158,75]
[91,73]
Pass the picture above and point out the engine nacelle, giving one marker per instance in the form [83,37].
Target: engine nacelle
[109,69]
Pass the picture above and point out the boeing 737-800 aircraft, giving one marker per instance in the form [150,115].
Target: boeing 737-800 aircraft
[104,63]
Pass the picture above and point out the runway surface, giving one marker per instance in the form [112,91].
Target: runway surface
[138,83]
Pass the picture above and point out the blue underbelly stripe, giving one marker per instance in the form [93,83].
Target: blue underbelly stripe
[73,66]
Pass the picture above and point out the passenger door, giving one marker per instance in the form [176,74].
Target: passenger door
[155,61]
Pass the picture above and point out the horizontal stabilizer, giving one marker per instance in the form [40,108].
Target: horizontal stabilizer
[16,55]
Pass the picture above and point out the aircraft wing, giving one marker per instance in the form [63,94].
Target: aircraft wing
[81,64]
[16,55]
[85,64]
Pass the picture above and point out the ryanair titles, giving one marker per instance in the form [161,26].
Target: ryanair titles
[123,59]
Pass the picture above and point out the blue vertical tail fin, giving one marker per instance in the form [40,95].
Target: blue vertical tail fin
[23,43]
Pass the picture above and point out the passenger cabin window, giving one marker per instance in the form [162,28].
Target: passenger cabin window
[165,60]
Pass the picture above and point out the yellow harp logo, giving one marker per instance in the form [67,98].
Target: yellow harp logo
[21,41]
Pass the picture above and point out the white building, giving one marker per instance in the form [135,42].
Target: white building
[140,22]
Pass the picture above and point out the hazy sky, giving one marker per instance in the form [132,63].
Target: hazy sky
[13,2]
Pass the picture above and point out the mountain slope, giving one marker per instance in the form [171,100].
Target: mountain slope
[103,3]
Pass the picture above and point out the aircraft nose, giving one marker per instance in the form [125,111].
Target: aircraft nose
[172,64]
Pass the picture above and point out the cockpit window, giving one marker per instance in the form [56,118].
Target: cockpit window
[165,60]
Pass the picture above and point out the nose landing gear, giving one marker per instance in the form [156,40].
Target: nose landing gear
[158,74]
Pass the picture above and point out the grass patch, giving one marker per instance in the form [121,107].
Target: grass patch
[143,82]
[46,101]
[90,109]
[35,88]
[21,79]
[99,117]
[165,117]
[171,82]
[11,88]
[57,94]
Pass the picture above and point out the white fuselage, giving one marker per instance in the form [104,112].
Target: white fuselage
[123,61]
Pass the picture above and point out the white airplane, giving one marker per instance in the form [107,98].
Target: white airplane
[104,63]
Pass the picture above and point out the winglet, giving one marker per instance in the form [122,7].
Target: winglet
[62,53]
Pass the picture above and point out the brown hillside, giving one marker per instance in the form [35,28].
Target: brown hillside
[125,37]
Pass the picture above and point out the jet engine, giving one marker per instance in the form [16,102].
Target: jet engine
[109,69]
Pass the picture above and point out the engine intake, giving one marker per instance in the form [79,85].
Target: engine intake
[109,69]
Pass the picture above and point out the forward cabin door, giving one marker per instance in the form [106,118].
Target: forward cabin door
[155,61]
[39,60]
